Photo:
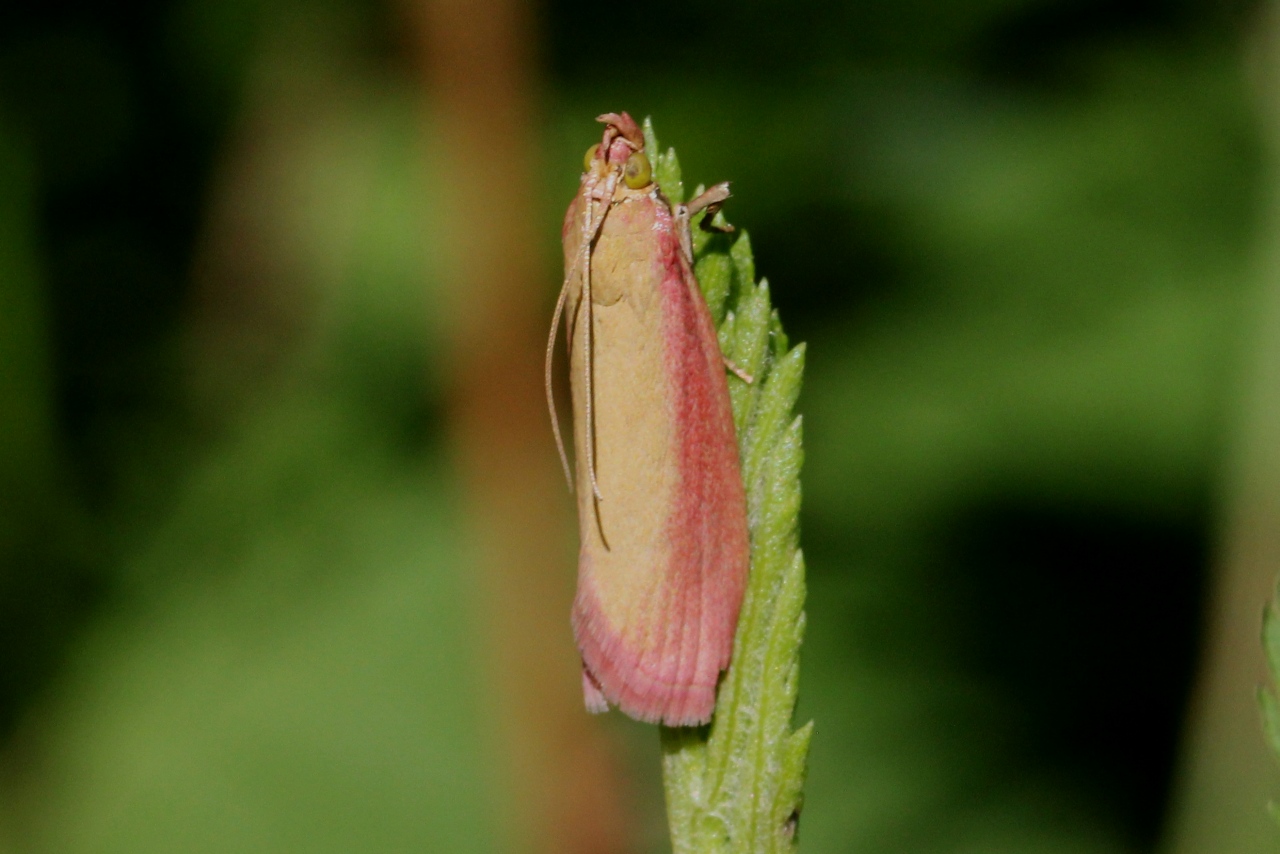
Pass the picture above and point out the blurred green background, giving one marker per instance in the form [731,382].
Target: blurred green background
[237,600]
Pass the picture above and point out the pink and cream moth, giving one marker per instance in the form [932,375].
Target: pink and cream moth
[664,550]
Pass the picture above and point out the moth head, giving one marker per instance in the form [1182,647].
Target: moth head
[621,142]
[621,124]
[621,148]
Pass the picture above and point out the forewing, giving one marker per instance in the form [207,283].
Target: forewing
[664,555]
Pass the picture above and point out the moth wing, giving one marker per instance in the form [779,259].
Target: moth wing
[664,555]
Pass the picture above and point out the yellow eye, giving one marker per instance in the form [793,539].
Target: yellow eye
[637,173]
[591,157]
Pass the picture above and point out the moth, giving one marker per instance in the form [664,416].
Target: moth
[664,553]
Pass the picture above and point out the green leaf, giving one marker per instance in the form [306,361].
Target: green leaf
[736,785]
[666,167]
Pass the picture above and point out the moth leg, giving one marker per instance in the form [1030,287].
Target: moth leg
[591,224]
[590,231]
[708,222]
[588,234]
[708,200]
[551,403]
[737,370]
[683,234]
[592,694]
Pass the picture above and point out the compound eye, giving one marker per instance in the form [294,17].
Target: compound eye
[637,172]
[590,157]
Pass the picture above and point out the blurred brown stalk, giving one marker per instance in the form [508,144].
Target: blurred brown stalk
[476,61]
